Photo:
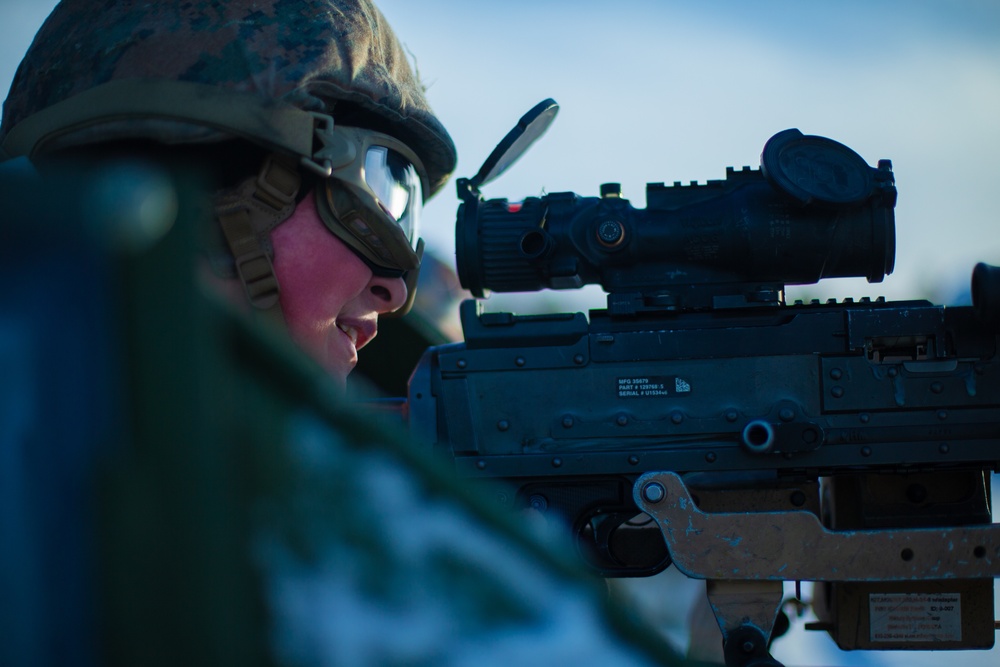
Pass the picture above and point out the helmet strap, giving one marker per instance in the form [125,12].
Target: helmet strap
[247,214]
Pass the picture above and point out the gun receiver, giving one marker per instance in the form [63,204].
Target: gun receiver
[573,412]
[707,423]
[871,416]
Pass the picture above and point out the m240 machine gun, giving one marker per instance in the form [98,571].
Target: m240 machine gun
[701,420]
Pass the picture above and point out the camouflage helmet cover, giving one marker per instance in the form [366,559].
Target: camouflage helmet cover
[312,54]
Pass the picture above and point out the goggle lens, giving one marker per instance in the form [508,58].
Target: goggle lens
[373,196]
[396,185]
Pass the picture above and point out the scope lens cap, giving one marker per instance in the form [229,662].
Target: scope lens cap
[529,128]
[815,169]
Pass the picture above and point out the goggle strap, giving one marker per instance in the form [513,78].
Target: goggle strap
[277,125]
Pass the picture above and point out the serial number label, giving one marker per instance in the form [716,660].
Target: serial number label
[910,617]
[652,386]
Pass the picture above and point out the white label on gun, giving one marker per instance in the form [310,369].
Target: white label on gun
[652,386]
[915,617]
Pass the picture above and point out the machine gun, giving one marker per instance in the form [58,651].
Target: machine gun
[701,420]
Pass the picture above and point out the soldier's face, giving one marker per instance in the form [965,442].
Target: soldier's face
[329,297]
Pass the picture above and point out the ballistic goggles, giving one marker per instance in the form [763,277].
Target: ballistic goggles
[372,197]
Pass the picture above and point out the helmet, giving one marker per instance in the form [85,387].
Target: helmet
[281,74]
[256,58]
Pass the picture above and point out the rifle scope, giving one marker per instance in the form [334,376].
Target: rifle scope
[813,210]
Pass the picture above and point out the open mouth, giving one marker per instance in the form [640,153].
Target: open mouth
[349,331]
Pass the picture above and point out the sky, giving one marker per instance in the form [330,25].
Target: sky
[677,91]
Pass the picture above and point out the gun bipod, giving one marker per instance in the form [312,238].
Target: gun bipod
[746,612]
[916,588]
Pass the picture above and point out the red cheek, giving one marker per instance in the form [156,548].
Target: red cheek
[312,263]
[319,277]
